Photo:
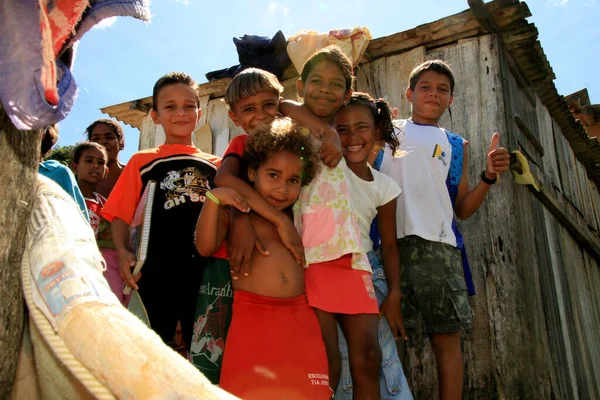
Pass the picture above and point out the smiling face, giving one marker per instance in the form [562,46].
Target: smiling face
[358,133]
[279,179]
[324,90]
[253,111]
[177,111]
[430,98]
[91,167]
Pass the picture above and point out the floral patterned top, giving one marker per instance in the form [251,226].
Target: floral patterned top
[324,215]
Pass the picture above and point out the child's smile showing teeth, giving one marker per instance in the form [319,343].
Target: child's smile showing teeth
[355,148]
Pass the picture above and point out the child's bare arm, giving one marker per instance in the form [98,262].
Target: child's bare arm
[467,200]
[243,238]
[390,308]
[120,234]
[331,147]
[211,227]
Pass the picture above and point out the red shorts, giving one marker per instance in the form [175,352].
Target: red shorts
[274,350]
[334,287]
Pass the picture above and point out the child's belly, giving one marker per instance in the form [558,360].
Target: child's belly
[275,275]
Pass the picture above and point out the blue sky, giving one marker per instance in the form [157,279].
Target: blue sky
[121,58]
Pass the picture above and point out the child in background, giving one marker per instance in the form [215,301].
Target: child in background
[432,276]
[57,172]
[172,273]
[110,135]
[89,166]
[274,349]
[362,123]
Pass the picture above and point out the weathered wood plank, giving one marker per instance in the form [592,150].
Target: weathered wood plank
[595,195]
[576,311]
[388,78]
[546,135]
[563,152]
[420,36]
[554,299]
[443,31]
[531,269]
[213,89]
[397,72]
[586,201]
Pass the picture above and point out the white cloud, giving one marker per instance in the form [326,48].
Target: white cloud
[556,3]
[278,7]
[105,23]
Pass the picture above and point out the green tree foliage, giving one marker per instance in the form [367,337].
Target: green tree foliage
[62,154]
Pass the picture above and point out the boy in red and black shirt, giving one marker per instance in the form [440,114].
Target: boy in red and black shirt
[172,272]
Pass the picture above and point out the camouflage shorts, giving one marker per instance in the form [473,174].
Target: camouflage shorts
[433,283]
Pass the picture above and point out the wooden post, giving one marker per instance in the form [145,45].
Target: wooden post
[19,152]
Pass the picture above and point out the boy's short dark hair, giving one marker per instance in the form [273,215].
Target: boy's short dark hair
[114,126]
[438,66]
[49,139]
[282,135]
[250,82]
[83,146]
[334,54]
[173,78]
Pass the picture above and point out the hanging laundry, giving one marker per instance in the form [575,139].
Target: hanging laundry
[36,86]
[303,44]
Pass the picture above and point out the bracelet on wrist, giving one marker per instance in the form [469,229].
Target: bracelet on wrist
[212,197]
[487,180]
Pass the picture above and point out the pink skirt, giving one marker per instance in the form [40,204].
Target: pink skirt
[112,275]
[334,287]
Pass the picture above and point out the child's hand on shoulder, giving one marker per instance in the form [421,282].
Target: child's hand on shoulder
[331,148]
[225,196]
[498,158]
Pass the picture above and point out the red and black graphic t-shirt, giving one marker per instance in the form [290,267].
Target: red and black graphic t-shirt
[183,174]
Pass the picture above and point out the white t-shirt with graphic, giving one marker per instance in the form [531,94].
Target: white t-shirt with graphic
[420,167]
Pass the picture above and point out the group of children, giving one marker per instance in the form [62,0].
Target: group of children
[320,296]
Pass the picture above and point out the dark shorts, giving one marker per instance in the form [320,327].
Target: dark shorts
[433,284]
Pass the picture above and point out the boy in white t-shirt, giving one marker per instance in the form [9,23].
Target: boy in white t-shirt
[432,278]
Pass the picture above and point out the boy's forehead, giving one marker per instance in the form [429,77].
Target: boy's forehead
[175,91]
[92,152]
[433,76]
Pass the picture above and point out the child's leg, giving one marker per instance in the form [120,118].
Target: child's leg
[328,323]
[435,276]
[364,352]
[393,383]
[446,347]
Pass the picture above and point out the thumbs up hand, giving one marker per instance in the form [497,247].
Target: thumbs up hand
[498,158]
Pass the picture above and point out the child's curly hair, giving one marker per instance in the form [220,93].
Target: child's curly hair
[282,135]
